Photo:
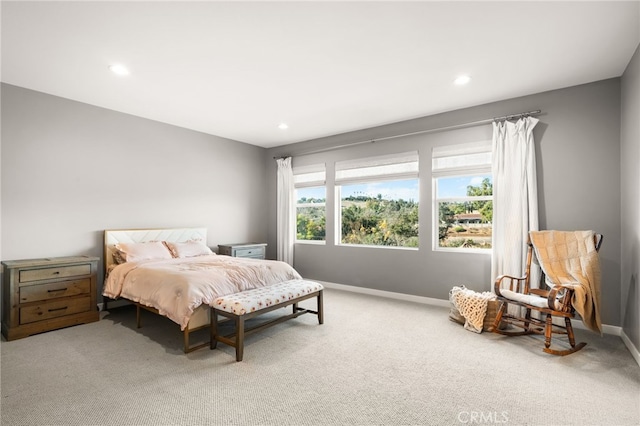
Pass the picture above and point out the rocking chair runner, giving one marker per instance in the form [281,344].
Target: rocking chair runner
[554,302]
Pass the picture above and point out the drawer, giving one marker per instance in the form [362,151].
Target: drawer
[32,293]
[260,256]
[54,309]
[249,252]
[29,275]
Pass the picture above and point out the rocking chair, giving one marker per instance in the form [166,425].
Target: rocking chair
[552,302]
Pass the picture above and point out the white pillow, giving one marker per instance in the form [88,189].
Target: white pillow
[133,252]
[189,249]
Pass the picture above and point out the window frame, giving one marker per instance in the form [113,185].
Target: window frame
[306,177]
[346,173]
[474,150]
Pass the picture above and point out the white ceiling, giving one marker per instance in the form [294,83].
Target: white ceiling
[238,69]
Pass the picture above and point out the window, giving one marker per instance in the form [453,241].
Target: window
[378,201]
[463,196]
[310,196]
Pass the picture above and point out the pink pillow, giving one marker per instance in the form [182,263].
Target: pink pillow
[189,249]
[133,252]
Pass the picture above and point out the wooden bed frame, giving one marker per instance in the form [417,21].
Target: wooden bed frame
[200,318]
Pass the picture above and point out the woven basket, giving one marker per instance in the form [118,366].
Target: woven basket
[490,317]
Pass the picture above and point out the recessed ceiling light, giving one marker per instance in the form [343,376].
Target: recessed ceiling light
[462,80]
[283,126]
[119,69]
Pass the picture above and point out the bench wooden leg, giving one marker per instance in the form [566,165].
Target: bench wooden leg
[239,338]
[320,308]
[213,339]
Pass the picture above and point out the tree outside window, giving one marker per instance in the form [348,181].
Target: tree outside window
[310,196]
[463,196]
[378,201]
[310,214]
[380,213]
[465,221]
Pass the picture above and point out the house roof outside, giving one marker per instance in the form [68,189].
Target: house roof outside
[468,217]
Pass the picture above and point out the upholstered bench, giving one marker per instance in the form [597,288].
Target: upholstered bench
[245,305]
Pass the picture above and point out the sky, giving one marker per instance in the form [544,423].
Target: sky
[390,190]
[457,186]
[400,189]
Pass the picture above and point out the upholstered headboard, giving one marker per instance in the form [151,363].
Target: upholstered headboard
[174,235]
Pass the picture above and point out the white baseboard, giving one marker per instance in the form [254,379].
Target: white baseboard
[388,294]
[606,329]
[629,344]
[615,331]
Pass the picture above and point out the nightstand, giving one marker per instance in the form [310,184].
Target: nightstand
[46,294]
[252,250]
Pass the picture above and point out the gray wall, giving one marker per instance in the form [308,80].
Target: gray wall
[578,161]
[71,170]
[630,180]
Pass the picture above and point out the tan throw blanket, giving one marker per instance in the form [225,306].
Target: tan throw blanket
[571,259]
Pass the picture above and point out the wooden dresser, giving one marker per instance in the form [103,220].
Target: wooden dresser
[46,294]
[252,250]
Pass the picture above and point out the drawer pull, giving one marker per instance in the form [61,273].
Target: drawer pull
[58,309]
[56,272]
[56,290]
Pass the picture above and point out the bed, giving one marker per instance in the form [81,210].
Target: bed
[172,272]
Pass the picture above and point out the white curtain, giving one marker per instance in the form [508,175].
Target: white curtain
[515,198]
[285,211]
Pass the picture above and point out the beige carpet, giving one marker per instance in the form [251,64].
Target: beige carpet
[375,361]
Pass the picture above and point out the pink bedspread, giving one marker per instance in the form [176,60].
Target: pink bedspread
[176,287]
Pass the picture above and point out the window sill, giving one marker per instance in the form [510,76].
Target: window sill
[378,247]
[468,251]
[311,242]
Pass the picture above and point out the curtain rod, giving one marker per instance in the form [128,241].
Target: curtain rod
[438,129]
